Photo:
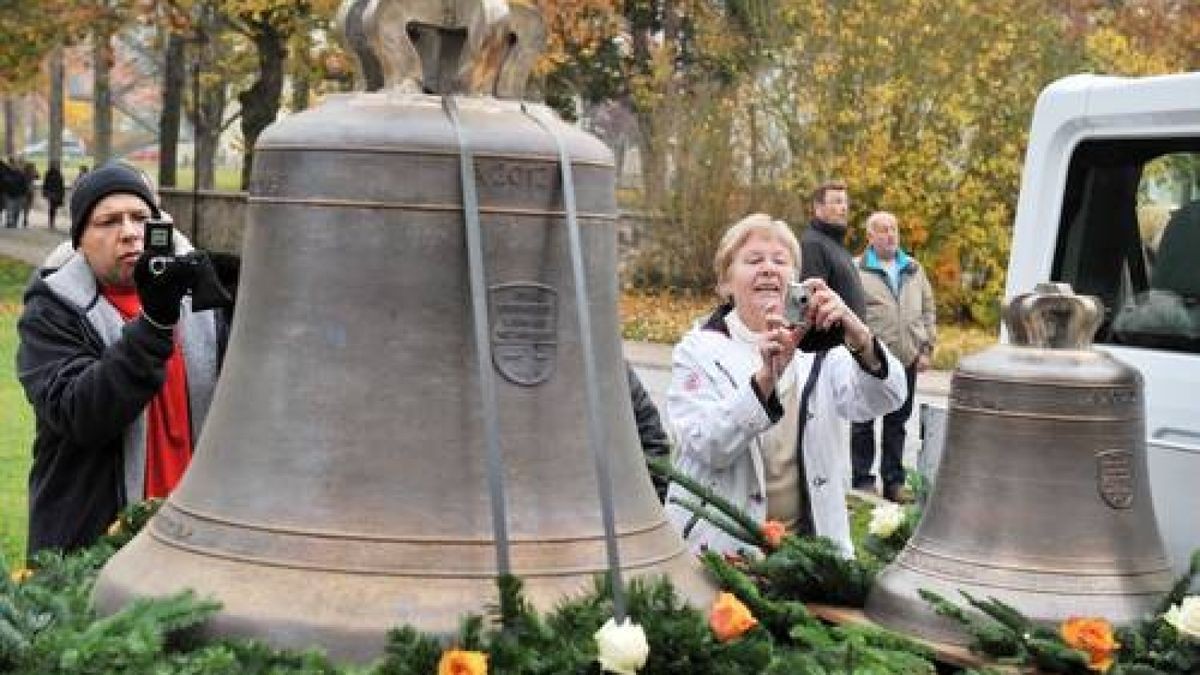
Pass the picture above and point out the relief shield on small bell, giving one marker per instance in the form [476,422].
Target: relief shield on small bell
[1041,498]
[343,482]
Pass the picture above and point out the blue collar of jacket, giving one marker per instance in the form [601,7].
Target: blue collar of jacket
[870,260]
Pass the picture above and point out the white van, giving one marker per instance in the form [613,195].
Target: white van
[1110,203]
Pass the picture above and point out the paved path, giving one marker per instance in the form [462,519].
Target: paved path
[31,244]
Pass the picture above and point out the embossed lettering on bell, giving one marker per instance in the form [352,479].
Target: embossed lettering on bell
[339,488]
[1041,498]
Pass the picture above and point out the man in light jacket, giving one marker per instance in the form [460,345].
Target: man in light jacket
[900,311]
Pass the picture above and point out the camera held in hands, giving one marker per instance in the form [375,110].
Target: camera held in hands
[191,271]
[795,308]
[159,245]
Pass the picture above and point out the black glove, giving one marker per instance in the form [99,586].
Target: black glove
[162,289]
[207,290]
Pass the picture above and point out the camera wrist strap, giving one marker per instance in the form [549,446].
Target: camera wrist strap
[595,429]
[487,386]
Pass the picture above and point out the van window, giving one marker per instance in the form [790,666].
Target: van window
[1130,234]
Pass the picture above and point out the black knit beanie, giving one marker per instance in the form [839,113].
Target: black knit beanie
[96,185]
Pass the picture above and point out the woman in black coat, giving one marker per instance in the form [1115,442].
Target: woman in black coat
[54,190]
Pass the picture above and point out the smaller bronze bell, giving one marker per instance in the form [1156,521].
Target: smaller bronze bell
[1042,498]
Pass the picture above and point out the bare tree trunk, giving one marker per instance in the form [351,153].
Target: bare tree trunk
[207,125]
[208,100]
[752,125]
[10,127]
[57,117]
[32,128]
[301,84]
[168,121]
[260,103]
[651,159]
[102,56]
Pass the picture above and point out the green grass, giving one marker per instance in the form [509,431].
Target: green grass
[16,425]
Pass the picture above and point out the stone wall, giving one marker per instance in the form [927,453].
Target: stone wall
[220,221]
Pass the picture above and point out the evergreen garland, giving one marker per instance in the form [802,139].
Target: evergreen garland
[1150,646]
[47,625]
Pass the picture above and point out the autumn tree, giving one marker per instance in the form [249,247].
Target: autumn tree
[29,33]
[269,25]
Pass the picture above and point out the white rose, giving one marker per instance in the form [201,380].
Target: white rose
[885,519]
[622,648]
[1185,616]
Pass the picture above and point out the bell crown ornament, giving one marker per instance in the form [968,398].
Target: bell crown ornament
[472,47]
[1053,317]
[427,312]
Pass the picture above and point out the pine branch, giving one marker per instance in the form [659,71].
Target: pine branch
[722,522]
[708,496]
[813,569]
[1181,587]
[1002,613]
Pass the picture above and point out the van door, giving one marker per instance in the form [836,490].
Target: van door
[1130,234]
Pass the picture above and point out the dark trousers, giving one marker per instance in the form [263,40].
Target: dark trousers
[15,206]
[862,442]
[52,210]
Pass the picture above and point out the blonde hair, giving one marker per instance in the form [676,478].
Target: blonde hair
[741,231]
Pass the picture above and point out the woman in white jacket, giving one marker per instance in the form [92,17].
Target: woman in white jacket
[738,386]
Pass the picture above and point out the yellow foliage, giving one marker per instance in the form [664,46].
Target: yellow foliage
[582,24]
[662,316]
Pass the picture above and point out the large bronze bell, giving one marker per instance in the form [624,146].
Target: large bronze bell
[340,486]
[1041,498]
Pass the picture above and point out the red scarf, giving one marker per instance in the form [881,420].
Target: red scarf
[168,427]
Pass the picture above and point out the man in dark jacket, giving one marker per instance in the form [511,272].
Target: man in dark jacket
[12,192]
[649,427]
[118,392]
[823,251]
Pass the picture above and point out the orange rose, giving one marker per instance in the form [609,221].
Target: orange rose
[729,618]
[461,662]
[1094,637]
[773,530]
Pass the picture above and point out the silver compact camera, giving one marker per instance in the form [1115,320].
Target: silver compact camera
[795,306]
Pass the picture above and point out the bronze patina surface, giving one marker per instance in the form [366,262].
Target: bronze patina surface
[340,487]
[1042,498]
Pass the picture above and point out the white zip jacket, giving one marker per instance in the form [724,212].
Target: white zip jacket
[718,422]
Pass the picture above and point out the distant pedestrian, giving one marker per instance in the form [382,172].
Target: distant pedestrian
[31,177]
[823,245]
[54,190]
[4,180]
[901,313]
[13,183]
